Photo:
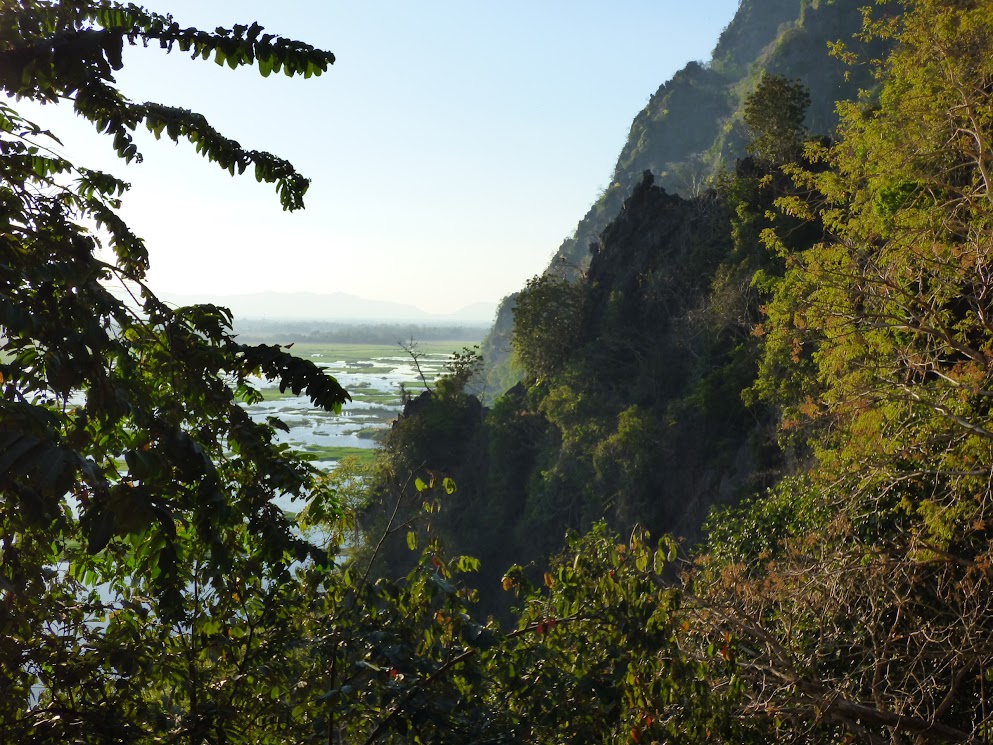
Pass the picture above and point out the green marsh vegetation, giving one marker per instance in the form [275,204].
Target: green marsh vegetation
[378,378]
[363,353]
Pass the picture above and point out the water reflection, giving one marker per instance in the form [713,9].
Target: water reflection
[375,387]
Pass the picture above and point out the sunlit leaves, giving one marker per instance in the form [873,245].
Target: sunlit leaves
[877,348]
[775,114]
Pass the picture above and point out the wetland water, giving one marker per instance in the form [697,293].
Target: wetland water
[372,375]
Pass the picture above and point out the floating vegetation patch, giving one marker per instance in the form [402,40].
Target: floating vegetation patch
[335,453]
[374,375]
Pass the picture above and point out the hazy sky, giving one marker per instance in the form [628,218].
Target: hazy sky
[452,145]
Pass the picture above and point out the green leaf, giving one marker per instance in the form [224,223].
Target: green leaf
[443,584]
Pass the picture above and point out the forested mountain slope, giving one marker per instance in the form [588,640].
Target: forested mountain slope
[638,365]
[632,409]
[819,322]
[691,127]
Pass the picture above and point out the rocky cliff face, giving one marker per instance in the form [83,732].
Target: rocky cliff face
[656,344]
[640,418]
[691,127]
[642,421]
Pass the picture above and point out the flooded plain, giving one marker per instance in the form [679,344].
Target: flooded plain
[376,377]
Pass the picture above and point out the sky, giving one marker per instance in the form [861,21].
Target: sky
[452,146]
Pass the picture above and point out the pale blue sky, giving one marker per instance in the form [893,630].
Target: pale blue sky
[452,146]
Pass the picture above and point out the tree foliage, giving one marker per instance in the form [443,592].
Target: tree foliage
[775,113]
[546,323]
[151,591]
[876,351]
[137,526]
[851,601]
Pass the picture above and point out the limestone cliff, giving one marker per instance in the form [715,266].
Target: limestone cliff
[691,127]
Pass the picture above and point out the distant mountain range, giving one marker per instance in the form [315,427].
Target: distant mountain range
[336,306]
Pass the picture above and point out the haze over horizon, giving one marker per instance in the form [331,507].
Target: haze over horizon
[332,307]
[451,148]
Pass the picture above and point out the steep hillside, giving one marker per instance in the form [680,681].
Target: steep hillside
[638,362]
[691,127]
[633,409]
